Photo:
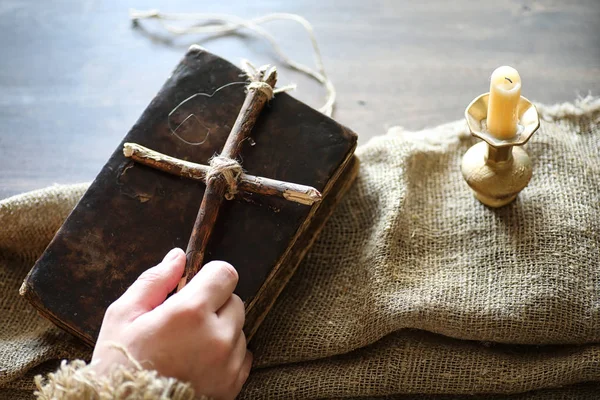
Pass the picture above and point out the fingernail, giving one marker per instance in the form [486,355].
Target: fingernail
[171,255]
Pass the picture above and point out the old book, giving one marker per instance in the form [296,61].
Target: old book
[132,214]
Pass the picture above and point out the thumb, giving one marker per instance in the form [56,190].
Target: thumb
[154,285]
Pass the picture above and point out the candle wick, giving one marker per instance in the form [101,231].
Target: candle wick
[508,79]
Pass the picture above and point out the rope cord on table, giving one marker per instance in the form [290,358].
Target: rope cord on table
[223,24]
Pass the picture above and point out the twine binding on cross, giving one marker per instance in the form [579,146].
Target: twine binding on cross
[227,169]
[263,87]
[255,76]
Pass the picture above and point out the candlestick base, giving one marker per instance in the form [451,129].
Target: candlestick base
[497,169]
[496,184]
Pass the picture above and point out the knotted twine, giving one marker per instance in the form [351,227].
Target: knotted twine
[228,169]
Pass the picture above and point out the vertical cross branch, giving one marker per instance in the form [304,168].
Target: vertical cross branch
[260,91]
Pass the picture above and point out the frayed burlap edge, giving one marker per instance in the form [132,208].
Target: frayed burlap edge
[583,106]
[76,380]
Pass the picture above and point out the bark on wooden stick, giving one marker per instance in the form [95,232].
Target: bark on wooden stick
[302,194]
[258,95]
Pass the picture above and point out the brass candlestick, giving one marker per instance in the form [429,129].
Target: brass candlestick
[498,169]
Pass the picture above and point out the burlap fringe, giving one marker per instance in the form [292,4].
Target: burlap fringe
[77,380]
[582,107]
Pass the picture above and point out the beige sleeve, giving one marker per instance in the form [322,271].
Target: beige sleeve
[75,380]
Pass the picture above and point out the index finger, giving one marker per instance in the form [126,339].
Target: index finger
[213,285]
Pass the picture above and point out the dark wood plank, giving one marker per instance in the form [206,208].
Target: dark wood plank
[75,76]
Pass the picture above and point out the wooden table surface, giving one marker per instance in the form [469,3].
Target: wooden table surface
[75,76]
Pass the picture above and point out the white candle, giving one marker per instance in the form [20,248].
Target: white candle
[505,92]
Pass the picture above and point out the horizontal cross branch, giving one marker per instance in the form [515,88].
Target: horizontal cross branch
[247,183]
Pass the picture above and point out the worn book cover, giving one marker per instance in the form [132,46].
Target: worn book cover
[132,214]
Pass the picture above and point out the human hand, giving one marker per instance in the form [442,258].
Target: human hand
[195,335]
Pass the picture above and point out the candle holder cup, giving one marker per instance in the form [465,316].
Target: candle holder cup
[498,169]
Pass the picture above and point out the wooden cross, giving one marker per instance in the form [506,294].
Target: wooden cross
[218,186]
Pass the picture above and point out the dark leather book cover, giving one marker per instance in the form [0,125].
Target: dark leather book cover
[132,214]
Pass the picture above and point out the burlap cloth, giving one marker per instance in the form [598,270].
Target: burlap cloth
[413,290]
